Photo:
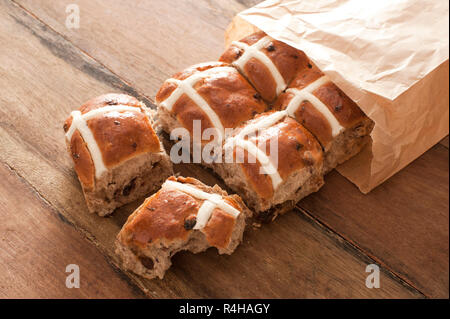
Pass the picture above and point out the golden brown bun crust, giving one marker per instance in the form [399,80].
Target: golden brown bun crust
[228,94]
[108,99]
[119,135]
[297,148]
[122,137]
[232,98]
[84,167]
[259,75]
[261,183]
[344,109]
[305,77]
[307,115]
[162,217]
[165,217]
[219,229]
[167,88]
[316,123]
[186,111]
[287,59]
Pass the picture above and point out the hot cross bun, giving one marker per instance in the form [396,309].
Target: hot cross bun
[269,65]
[184,214]
[116,153]
[328,113]
[271,160]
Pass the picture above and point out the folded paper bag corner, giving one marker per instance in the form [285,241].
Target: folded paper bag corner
[398,77]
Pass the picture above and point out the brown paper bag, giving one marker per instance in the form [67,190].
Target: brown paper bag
[390,57]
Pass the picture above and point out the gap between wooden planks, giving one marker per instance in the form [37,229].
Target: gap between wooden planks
[88,69]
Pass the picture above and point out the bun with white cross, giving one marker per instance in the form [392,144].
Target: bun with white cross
[214,93]
[184,214]
[328,113]
[265,181]
[117,155]
[269,65]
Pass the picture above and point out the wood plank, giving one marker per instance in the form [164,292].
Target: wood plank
[36,242]
[139,40]
[44,77]
[404,222]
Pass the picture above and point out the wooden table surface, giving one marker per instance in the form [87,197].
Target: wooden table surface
[319,250]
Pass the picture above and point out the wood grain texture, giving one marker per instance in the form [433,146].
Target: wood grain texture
[37,244]
[138,40]
[404,222]
[44,77]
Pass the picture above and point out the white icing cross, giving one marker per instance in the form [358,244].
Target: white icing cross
[211,202]
[79,122]
[186,86]
[306,94]
[254,51]
[251,148]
